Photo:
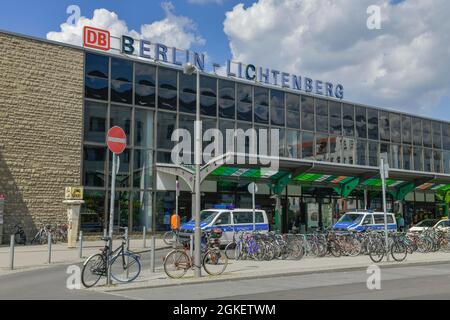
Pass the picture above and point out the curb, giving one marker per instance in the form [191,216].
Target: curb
[273,275]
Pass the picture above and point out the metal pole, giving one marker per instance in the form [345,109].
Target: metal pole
[144,236]
[49,239]
[191,245]
[11,253]
[111,215]
[105,233]
[81,244]
[253,203]
[198,156]
[127,240]
[152,252]
[383,185]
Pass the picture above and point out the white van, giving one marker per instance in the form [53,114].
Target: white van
[365,221]
[228,219]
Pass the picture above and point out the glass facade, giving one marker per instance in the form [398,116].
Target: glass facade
[151,101]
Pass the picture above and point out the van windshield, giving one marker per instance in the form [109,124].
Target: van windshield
[207,216]
[351,217]
[427,223]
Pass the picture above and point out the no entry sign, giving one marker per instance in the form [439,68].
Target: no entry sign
[116,140]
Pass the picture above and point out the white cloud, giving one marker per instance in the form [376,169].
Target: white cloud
[405,65]
[173,30]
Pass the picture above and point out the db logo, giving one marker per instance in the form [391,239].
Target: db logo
[96,38]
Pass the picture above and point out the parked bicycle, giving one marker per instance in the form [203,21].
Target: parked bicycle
[171,237]
[41,237]
[125,264]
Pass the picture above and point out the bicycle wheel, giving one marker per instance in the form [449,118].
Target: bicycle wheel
[334,249]
[93,269]
[176,264]
[398,251]
[215,262]
[125,267]
[169,237]
[376,251]
[230,250]
[424,244]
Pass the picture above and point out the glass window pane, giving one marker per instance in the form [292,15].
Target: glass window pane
[437,157]
[164,157]
[437,139]
[335,149]
[406,129]
[293,143]
[307,113]
[208,86]
[95,115]
[373,153]
[384,125]
[97,65]
[208,106]
[418,159]
[321,115]
[446,160]
[244,107]
[206,125]
[417,131]
[282,143]
[226,99]
[361,122]
[123,175]
[145,74]
[261,105]
[188,83]
[277,107]
[167,79]
[293,111]
[372,116]
[121,208]
[335,117]
[121,92]
[348,115]
[307,145]
[94,159]
[292,101]
[143,132]
[143,169]
[96,88]
[394,121]
[145,96]
[361,149]
[93,211]
[121,70]
[187,122]
[121,116]
[167,99]
[223,126]
[427,160]
[321,147]
[407,153]
[262,114]
[395,156]
[166,125]
[446,136]
[348,150]
[142,210]
[426,131]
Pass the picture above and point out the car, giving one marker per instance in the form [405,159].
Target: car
[443,224]
[365,221]
[228,219]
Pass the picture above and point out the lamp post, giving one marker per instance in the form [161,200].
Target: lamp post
[189,69]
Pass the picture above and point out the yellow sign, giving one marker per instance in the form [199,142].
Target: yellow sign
[74,193]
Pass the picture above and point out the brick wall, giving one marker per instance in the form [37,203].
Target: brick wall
[41,104]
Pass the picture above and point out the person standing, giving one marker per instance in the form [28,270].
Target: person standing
[401,223]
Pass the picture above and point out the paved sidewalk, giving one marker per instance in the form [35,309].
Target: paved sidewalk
[35,257]
[259,269]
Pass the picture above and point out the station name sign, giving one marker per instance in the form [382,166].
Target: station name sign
[101,40]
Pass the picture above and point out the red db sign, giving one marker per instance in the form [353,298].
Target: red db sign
[96,38]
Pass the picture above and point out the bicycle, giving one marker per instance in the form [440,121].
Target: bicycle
[125,264]
[41,236]
[19,235]
[178,261]
[171,236]
[396,247]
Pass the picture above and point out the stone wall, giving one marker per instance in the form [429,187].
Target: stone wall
[41,106]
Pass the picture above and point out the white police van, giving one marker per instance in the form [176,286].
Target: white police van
[365,221]
[229,219]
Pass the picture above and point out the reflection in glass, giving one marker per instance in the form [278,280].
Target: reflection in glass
[446,160]
[143,132]
[165,125]
[188,83]
[417,131]
[407,153]
[123,175]
[373,153]
[426,131]
[372,122]
[384,126]
[97,65]
[208,106]
[167,79]
[282,145]
[95,122]
[293,143]
[446,136]
[145,96]
[226,99]
[321,115]
[145,74]
[437,157]
[223,126]
[427,160]
[307,113]
[406,129]
[121,92]
[335,149]
[394,121]
[361,123]
[361,148]
[348,116]
[418,159]
[167,99]
[348,150]
[142,210]
[307,145]
[244,105]
[395,156]
[321,147]
[121,70]
[121,116]
[94,166]
[96,88]
[293,111]
[437,140]
[121,208]
[335,117]
[142,175]
[262,114]
[93,211]
[188,103]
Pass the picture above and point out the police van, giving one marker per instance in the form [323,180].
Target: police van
[229,220]
[365,221]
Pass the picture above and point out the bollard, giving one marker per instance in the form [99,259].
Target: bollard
[144,237]
[81,244]
[11,253]
[49,239]
[152,258]
[191,245]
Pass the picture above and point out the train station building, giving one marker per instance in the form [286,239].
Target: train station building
[58,102]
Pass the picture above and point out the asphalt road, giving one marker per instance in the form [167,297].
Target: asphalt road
[420,282]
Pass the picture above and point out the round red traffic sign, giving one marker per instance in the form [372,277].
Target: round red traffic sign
[116,140]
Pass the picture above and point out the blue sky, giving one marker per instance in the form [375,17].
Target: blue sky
[393,80]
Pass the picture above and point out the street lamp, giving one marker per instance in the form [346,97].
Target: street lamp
[189,69]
